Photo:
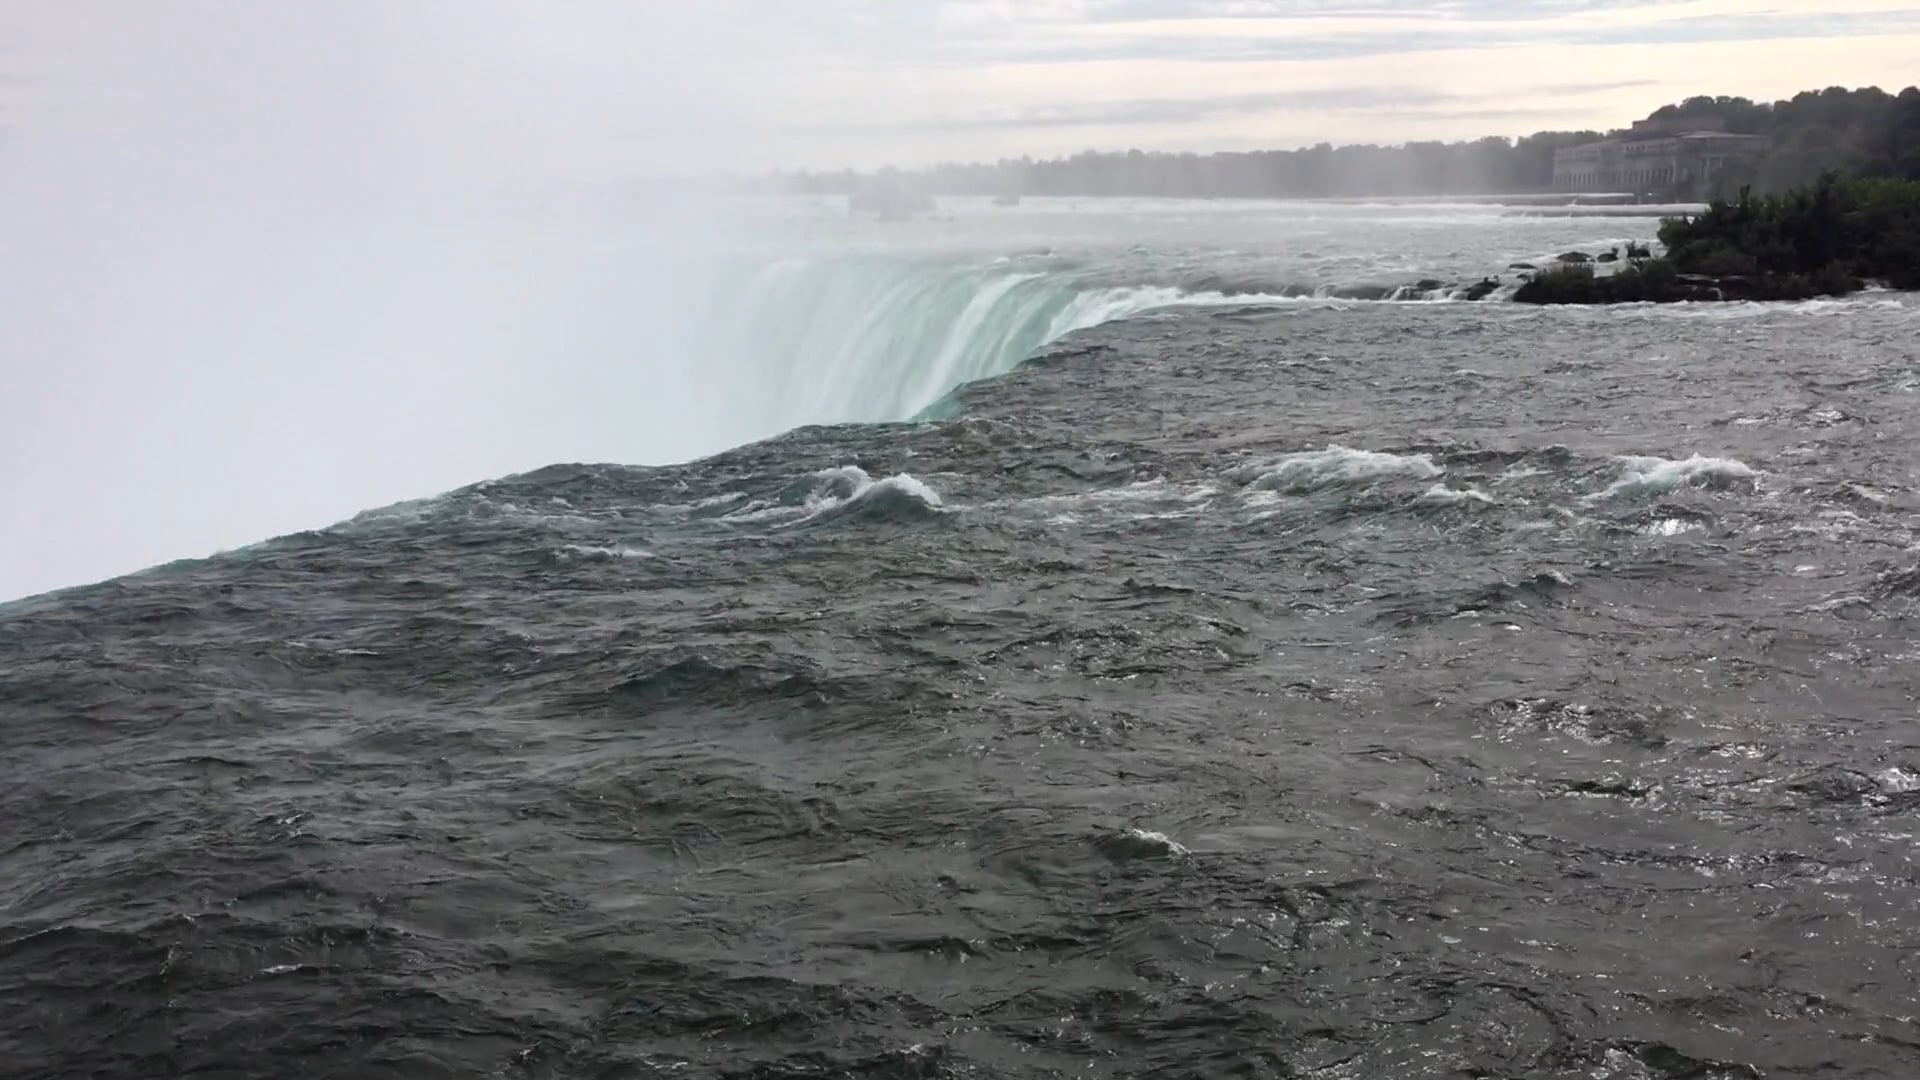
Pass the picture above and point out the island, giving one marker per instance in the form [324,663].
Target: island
[1830,238]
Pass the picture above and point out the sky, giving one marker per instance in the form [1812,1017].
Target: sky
[755,84]
[978,79]
[249,283]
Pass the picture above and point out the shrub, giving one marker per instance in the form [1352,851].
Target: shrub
[1831,233]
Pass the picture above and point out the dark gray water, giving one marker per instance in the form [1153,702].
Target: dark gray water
[1558,721]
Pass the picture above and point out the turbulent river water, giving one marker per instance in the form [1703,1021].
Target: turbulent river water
[1354,691]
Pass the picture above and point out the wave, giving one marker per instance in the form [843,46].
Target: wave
[1136,843]
[1646,477]
[1442,495]
[1336,466]
[848,492]
[842,493]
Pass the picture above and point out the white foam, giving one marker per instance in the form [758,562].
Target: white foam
[1670,527]
[1898,781]
[905,484]
[1159,840]
[848,489]
[840,490]
[1443,495]
[1750,309]
[840,482]
[1651,476]
[1338,466]
[1096,306]
[603,554]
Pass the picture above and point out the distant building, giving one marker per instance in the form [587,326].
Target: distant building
[1683,160]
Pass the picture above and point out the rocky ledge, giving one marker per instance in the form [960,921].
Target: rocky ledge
[1659,281]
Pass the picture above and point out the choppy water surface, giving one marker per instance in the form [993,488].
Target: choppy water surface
[1341,691]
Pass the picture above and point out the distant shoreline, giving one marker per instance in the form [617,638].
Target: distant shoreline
[1521,205]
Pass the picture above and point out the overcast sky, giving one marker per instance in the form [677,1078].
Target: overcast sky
[757,83]
[981,78]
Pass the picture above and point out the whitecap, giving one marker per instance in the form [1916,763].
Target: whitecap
[838,484]
[1898,781]
[1670,527]
[1644,477]
[848,491]
[1338,466]
[1135,843]
[1160,840]
[1442,495]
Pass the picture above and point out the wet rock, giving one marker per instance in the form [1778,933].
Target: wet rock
[1481,289]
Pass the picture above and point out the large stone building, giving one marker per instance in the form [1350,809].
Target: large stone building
[1680,160]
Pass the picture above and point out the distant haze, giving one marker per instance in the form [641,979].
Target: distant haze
[266,265]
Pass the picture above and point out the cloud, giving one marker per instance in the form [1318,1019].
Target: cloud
[757,83]
[1403,100]
[986,78]
[1175,110]
[1297,31]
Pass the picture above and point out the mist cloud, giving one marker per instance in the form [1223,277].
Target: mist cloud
[268,265]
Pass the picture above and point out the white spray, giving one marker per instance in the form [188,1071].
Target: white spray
[266,265]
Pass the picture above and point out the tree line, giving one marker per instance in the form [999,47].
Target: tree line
[1866,132]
